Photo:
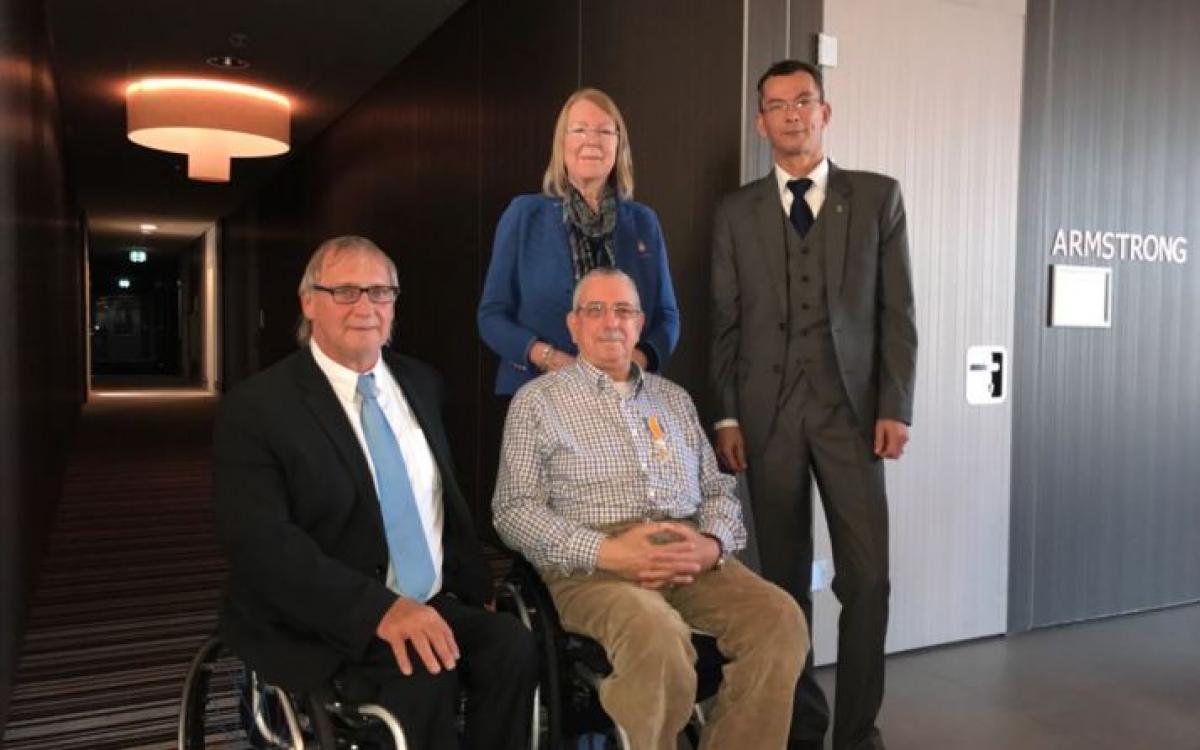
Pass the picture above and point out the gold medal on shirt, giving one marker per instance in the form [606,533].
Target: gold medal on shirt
[658,439]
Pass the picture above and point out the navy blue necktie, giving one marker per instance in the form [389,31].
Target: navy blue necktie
[407,545]
[801,215]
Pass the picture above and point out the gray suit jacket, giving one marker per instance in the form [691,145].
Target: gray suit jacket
[869,287]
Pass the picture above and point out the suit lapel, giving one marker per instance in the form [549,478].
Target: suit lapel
[320,399]
[768,223]
[835,215]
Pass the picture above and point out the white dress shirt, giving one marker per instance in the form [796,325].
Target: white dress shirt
[422,469]
[815,197]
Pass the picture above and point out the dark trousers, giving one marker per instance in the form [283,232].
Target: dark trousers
[497,671]
[824,441]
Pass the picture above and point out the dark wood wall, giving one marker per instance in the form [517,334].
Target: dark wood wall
[41,326]
[427,161]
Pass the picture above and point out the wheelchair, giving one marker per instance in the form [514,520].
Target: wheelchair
[567,707]
[226,704]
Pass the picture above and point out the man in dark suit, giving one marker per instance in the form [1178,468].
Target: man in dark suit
[813,362]
[352,554]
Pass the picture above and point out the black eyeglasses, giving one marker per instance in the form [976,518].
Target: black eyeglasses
[348,294]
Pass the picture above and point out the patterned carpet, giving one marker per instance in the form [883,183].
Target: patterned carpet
[129,585]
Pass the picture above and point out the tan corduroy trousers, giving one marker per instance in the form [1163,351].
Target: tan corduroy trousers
[647,636]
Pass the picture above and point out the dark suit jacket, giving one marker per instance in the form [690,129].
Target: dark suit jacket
[300,521]
[869,287]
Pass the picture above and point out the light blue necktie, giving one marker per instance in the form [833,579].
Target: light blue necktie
[407,545]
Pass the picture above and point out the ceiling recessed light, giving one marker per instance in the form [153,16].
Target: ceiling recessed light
[228,62]
[148,228]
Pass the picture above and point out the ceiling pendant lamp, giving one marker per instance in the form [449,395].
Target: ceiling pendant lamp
[210,121]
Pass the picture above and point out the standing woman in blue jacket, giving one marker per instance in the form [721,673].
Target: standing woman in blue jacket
[583,218]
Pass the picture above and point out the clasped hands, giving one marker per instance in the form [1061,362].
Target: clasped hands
[652,554]
[655,554]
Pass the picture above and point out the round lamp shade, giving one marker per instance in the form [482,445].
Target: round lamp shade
[210,121]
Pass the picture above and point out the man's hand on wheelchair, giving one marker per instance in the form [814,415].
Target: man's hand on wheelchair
[658,554]
[410,622]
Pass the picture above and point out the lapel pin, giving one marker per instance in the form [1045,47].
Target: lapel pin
[838,208]
[641,247]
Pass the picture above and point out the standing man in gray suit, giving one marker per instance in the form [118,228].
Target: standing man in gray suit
[813,361]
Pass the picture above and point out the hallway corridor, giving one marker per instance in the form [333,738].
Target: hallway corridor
[129,582]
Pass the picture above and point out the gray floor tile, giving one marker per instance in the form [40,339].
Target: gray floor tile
[1124,683]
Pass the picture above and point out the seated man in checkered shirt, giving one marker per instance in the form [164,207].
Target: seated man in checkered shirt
[608,485]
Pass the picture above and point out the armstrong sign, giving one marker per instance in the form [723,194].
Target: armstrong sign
[1146,248]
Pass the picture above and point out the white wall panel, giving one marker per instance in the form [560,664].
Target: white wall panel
[929,92]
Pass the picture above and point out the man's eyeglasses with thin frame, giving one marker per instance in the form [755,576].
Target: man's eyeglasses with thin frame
[348,294]
[779,106]
[598,310]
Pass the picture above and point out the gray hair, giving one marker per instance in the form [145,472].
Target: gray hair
[328,250]
[604,271]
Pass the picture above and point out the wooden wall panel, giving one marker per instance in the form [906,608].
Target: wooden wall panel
[41,316]
[529,54]
[675,73]
[429,158]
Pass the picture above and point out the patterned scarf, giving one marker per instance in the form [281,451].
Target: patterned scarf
[590,234]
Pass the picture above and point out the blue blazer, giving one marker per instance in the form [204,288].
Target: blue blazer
[527,293]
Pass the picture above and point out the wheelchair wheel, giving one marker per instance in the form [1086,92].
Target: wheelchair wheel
[572,666]
[225,705]
[522,597]
[211,713]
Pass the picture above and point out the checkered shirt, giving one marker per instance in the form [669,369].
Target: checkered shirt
[578,456]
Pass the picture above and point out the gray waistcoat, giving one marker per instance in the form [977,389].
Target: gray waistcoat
[810,362]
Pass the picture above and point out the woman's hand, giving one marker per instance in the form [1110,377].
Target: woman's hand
[547,359]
